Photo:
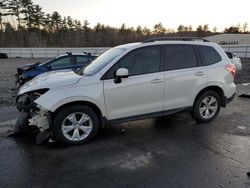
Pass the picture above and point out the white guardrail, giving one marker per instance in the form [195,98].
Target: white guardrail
[242,51]
[47,52]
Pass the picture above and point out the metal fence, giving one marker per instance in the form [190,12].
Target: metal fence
[47,52]
[242,51]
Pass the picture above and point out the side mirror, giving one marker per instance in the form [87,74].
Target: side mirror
[120,73]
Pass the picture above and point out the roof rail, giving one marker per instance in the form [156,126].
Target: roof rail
[69,53]
[175,39]
[88,53]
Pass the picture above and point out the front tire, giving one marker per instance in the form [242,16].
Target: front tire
[206,107]
[75,125]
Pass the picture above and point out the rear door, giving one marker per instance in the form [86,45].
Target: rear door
[183,75]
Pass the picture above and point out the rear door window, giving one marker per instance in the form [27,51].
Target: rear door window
[179,57]
[82,60]
[61,62]
[208,55]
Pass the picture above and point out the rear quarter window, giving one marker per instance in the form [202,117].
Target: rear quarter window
[208,55]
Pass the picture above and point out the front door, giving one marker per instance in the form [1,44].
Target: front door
[142,92]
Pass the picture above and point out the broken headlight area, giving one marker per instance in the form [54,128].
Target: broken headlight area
[37,115]
[25,102]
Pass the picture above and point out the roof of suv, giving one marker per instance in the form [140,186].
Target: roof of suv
[167,41]
[76,54]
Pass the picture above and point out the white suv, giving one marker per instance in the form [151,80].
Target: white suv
[129,82]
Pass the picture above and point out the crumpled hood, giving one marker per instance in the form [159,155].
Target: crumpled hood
[27,67]
[52,79]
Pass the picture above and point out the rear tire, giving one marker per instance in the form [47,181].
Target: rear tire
[206,107]
[75,125]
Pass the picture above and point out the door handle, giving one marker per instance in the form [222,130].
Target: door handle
[157,80]
[199,73]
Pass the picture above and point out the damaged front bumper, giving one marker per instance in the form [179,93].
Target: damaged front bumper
[37,115]
[40,119]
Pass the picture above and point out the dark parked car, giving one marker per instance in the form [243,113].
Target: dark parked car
[70,61]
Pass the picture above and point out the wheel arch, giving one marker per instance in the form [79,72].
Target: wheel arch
[216,89]
[83,103]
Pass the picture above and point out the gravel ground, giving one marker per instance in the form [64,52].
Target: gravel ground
[8,89]
[8,68]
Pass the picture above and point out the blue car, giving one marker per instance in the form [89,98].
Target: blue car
[65,61]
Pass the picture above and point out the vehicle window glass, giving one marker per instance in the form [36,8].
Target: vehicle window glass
[111,72]
[82,60]
[229,55]
[103,60]
[142,61]
[62,62]
[179,57]
[208,55]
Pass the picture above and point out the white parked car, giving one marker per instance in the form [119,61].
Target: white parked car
[235,60]
[129,82]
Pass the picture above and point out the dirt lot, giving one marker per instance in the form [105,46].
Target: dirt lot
[8,88]
[8,67]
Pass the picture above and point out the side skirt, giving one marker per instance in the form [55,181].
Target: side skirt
[145,116]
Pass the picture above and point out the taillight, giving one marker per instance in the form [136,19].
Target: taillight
[230,68]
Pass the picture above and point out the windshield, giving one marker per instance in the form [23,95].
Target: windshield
[102,61]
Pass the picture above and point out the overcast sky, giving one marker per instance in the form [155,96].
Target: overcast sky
[219,13]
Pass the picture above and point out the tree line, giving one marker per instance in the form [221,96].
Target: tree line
[25,24]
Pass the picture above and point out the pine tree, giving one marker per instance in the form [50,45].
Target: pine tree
[28,10]
[56,20]
[159,29]
[70,23]
[2,12]
[14,9]
[47,23]
[38,17]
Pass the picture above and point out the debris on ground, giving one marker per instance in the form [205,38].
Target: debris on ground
[245,95]
[123,131]
[43,137]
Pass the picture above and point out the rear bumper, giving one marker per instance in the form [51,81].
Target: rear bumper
[227,100]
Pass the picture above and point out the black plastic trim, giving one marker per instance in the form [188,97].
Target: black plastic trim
[175,39]
[227,100]
[145,116]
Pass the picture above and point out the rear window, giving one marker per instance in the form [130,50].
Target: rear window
[208,55]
